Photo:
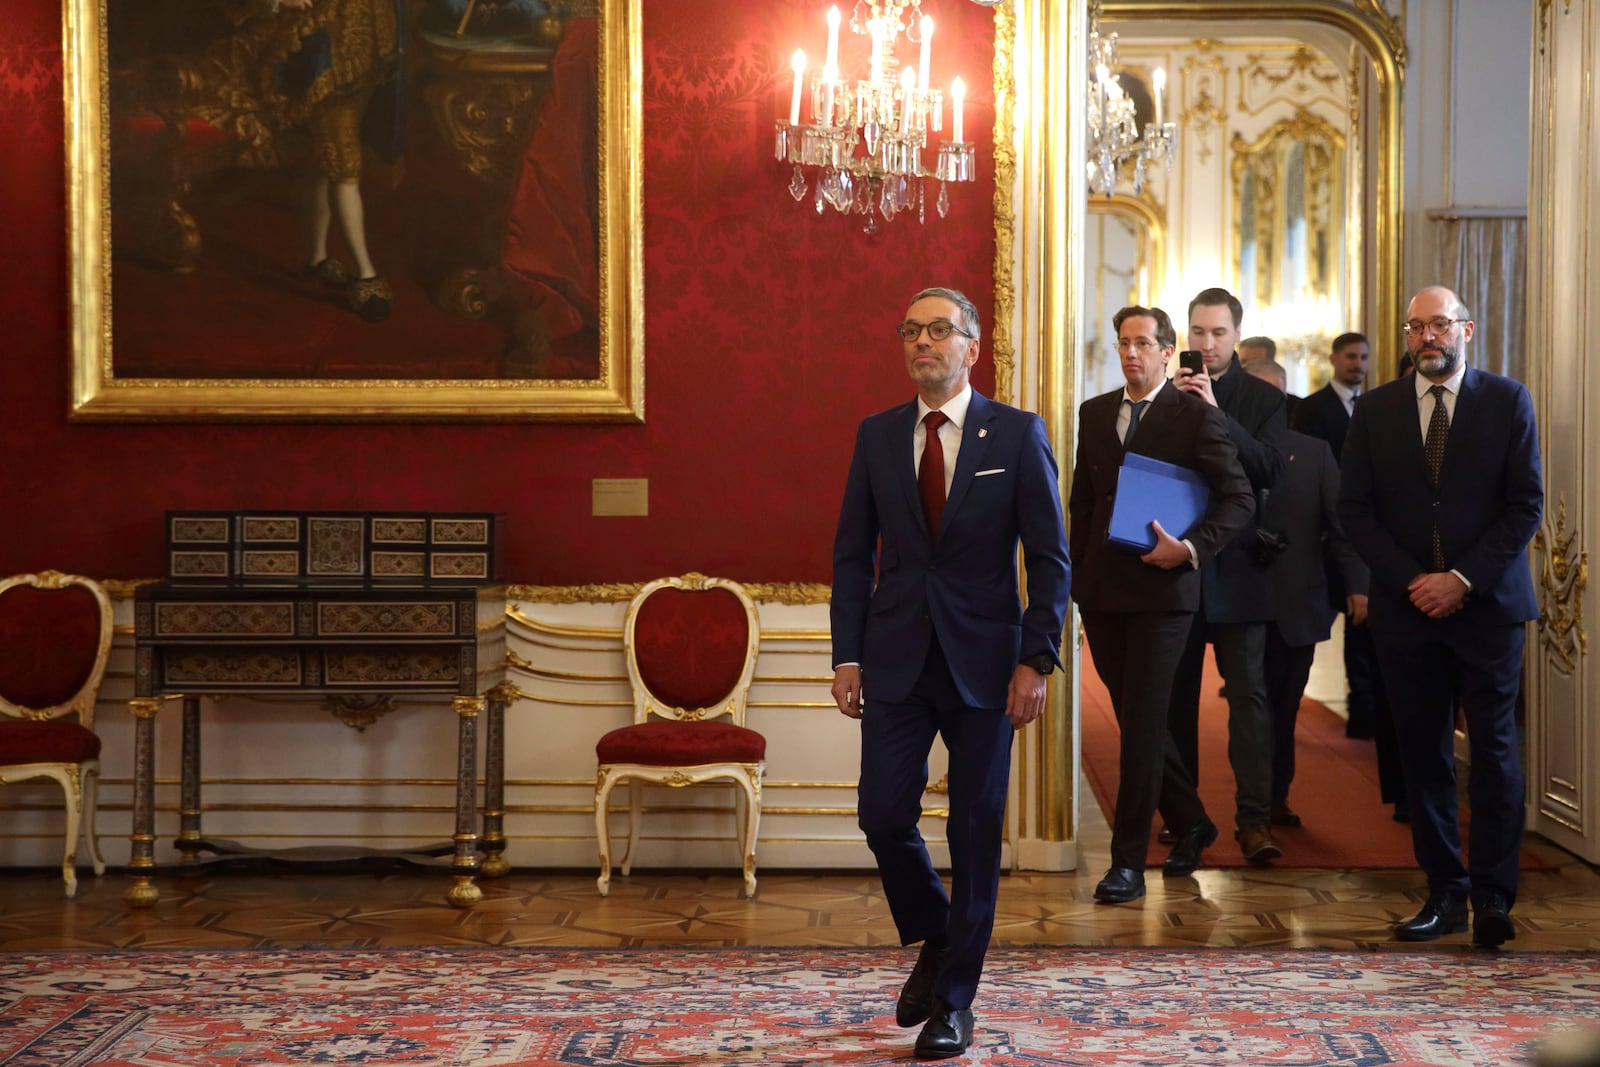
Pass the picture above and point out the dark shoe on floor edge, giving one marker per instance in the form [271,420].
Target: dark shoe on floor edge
[1256,843]
[1491,923]
[1185,854]
[1283,815]
[1402,813]
[916,996]
[948,1033]
[1165,836]
[1442,914]
[1120,885]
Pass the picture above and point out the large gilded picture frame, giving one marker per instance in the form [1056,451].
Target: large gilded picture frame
[357,209]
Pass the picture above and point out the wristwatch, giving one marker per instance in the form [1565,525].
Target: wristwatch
[1041,663]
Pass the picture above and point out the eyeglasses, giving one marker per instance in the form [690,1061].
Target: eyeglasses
[938,330]
[1139,344]
[1438,324]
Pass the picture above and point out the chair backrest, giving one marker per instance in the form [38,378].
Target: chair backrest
[55,637]
[691,643]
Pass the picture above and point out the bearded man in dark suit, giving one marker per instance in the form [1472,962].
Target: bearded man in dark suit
[1138,609]
[1441,495]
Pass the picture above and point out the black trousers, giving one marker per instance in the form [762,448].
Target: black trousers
[1136,655]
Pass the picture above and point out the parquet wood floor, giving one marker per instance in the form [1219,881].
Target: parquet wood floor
[1558,909]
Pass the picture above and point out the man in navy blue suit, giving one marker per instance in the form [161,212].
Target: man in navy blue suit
[930,638]
[1441,494]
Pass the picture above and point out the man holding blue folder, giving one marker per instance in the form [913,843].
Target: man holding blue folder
[1138,607]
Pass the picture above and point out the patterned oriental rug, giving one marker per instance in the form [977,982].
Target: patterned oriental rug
[660,1006]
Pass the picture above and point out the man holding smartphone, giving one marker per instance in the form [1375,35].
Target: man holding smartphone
[1236,598]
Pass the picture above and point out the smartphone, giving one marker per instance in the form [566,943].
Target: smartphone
[1190,359]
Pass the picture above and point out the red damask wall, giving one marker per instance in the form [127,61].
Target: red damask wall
[767,338]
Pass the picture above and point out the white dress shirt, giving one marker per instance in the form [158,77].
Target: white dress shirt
[1125,412]
[955,409]
[1347,396]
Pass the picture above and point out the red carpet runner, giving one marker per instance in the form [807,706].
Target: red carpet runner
[1335,788]
[636,1007]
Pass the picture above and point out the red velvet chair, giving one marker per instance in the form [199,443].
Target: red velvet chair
[55,636]
[690,644]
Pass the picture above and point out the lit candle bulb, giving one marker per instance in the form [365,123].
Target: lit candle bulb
[922,63]
[832,61]
[908,82]
[958,96]
[1159,78]
[877,52]
[799,65]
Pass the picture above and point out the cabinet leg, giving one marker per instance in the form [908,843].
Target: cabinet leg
[141,894]
[464,867]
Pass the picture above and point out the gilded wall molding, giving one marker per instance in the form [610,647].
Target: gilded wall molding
[798,593]
[1563,576]
[1003,349]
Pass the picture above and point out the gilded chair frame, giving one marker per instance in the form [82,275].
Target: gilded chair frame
[79,781]
[745,777]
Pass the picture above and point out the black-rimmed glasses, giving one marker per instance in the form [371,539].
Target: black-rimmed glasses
[938,330]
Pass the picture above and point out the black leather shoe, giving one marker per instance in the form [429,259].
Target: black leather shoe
[948,1033]
[1284,815]
[1442,914]
[916,996]
[1165,836]
[1185,854]
[1120,885]
[1491,922]
[1402,813]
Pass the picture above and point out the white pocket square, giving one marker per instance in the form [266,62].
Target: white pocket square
[994,470]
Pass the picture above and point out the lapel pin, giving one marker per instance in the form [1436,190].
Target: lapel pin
[983,433]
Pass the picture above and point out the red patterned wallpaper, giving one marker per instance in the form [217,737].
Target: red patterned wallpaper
[767,338]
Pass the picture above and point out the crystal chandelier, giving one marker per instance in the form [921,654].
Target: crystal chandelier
[891,114]
[1113,126]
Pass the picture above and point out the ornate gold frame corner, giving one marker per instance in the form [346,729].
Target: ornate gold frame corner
[97,394]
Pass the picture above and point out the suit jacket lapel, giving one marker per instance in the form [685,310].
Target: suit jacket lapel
[1160,405]
[975,435]
[1466,402]
[903,447]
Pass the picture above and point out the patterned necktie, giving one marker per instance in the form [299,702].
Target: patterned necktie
[1433,448]
[1133,421]
[930,475]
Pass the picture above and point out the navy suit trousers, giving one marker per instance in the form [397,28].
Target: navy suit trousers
[1430,670]
[895,742]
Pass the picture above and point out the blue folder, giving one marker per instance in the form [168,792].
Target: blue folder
[1149,489]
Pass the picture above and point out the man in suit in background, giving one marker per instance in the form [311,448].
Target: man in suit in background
[1265,349]
[1235,589]
[1302,537]
[1326,414]
[1441,495]
[928,625]
[1138,609]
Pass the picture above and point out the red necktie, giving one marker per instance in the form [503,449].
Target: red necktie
[930,475]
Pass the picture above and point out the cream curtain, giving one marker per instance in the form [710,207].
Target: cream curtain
[1484,259]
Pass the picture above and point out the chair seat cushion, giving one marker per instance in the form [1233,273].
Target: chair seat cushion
[53,741]
[681,744]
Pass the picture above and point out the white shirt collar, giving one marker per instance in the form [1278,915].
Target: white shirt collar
[1345,392]
[1151,395]
[1452,384]
[955,409]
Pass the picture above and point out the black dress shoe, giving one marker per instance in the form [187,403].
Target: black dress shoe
[1402,813]
[1442,914]
[1491,922]
[1185,854]
[1165,836]
[947,1033]
[916,996]
[1120,885]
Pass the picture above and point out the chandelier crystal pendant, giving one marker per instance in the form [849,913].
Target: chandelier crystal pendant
[1114,138]
[890,114]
